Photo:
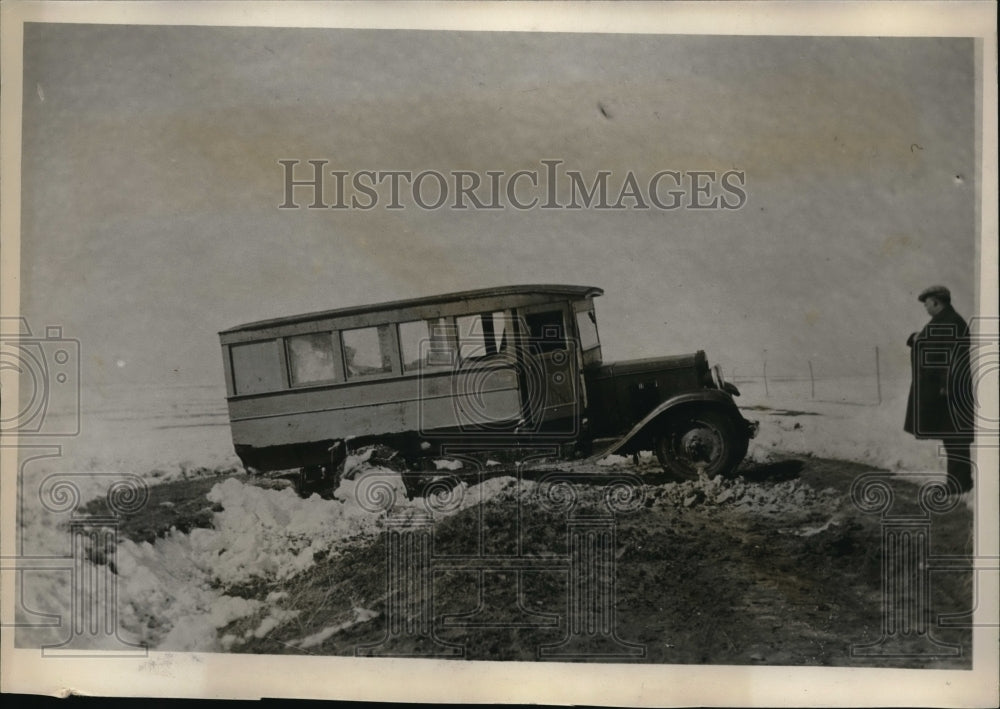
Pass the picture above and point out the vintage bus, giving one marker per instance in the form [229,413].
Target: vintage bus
[486,369]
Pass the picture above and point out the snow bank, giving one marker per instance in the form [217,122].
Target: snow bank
[274,534]
[175,589]
[177,592]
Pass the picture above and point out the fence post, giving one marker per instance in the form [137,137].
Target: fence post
[812,381]
[765,374]
[878,377]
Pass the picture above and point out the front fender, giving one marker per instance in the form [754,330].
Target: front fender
[707,396]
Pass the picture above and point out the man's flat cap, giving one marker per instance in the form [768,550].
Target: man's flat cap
[934,292]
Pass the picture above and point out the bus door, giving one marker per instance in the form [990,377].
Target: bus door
[549,377]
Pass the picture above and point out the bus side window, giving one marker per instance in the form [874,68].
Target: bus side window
[426,344]
[310,358]
[256,367]
[367,351]
[586,323]
[471,343]
[482,335]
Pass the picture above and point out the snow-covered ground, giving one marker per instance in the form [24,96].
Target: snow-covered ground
[845,420]
[173,592]
[159,432]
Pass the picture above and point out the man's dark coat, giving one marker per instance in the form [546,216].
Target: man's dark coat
[940,404]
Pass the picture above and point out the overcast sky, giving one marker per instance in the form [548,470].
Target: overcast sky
[151,185]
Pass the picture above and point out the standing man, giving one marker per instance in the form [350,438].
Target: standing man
[941,405]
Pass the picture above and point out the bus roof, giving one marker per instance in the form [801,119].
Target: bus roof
[547,289]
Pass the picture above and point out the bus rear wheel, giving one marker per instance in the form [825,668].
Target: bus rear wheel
[322,479]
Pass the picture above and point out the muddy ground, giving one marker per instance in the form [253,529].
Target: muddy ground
[776,567]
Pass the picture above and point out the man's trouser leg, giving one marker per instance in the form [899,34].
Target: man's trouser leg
[959,462]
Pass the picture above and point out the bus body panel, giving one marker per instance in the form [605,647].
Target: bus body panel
[423,404]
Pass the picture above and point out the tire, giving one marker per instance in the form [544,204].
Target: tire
[700,439]
[317,478]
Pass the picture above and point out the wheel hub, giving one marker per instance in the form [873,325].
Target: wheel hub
[699,445]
